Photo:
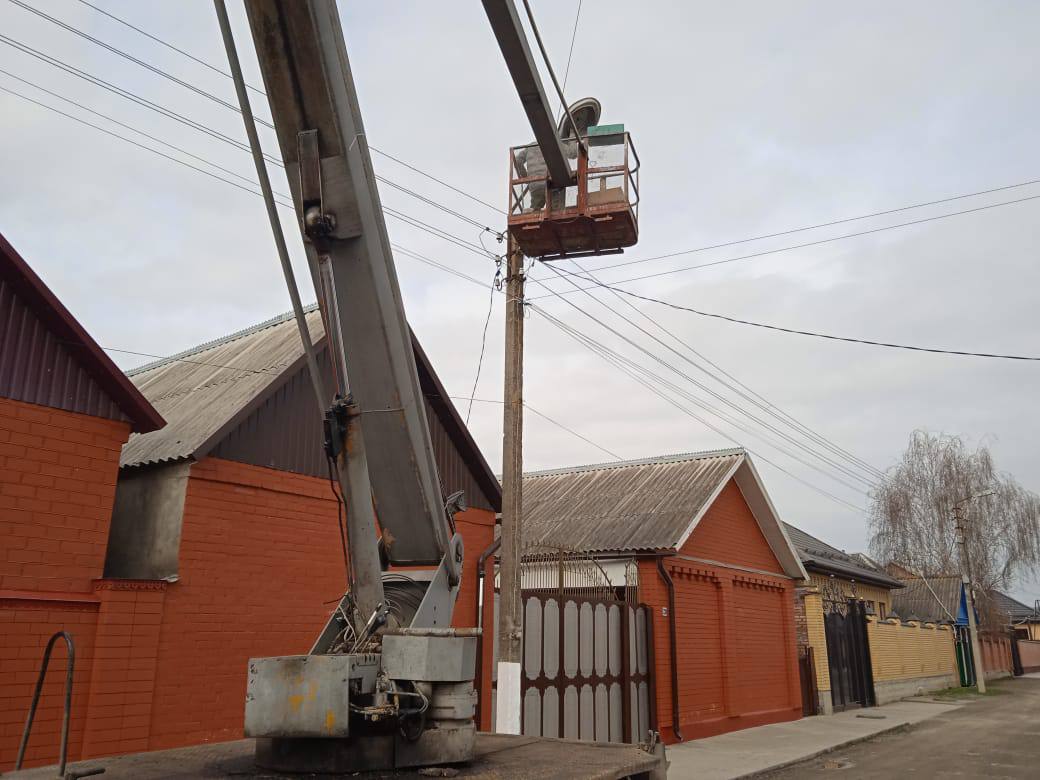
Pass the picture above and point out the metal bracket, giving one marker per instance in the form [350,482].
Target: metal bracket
[316,223]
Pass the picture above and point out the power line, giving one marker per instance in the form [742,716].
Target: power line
[168,45]
[495,285]
[821,241]
[546,417]
[708,407]
[570,55]
[549,67]
[129,57]
[825,224]
[815,334]
[613,358]
[132,141]
[124,93]
[431,177]
[736,386]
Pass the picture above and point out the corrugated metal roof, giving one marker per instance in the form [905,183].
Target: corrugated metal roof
[206,391]
[47,358]
[1013,608]
[935,600]
[623,506]
[200,390]
[817,554]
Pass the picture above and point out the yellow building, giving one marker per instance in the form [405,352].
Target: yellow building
[841,652]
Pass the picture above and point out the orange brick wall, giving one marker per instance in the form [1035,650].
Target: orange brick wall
[735,639]
[58,473]
[260,569]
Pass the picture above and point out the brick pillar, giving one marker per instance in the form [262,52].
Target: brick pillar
[123,673]
[728,640]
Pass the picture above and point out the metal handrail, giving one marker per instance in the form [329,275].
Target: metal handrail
[69,665]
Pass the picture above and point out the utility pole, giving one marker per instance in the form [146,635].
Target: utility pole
[973,629]
[510,617]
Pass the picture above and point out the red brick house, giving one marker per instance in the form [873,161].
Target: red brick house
[230,507]
[65,412]
[224,539]
[698,538]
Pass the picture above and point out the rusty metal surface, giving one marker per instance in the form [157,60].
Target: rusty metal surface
[47,358]
[247,398]
[496,756]
[631,505]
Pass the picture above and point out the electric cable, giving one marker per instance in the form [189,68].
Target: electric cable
[496,285]
[168,45]
[820,241]
[129,57]
[734,385]
[815,334]
[725,416]
[607,355]
[570,55]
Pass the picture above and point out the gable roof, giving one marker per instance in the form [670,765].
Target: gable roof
[1016,611]
[646,505]
[817,555]
[47,358]
[935,599]
[205,391]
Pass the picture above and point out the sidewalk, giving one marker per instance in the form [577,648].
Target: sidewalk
[751,751]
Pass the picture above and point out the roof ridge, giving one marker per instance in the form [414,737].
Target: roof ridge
[219,342]
[657,459]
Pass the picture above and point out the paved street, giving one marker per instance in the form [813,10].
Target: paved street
[995,736]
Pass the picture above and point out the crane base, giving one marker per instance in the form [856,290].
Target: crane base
[367,752]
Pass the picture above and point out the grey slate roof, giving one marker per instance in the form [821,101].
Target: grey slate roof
[623,506]
[1013,608]
[917,598]
[645,505]
[817,555]
[199,390]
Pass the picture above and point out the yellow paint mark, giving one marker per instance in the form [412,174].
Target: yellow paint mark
[330,721]
[296,700]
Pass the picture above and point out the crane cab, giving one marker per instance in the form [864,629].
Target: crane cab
[597,214]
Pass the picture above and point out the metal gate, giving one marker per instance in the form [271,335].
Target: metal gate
[848,654]
[588,652]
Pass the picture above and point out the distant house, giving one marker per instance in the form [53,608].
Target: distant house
[65,412]
[695,540]
[841,576]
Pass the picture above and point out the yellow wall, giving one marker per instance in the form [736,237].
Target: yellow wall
[859,590]
[899,651]
[817,639]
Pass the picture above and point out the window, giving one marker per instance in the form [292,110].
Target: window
[881,610]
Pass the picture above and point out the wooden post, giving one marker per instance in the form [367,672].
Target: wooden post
[510,621]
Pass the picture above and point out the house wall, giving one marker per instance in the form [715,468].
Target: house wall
[57,483]
[736,655]
[879,599]
[910,658]
[1029,652]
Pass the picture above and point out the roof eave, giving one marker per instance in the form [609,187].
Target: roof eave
[142,415]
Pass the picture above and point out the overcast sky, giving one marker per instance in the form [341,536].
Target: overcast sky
[750,119]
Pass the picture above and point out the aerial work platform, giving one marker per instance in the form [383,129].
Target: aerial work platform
[495,756]
[597,214]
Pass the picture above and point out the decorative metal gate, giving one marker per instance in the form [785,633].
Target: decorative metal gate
[588,653]
[848,654]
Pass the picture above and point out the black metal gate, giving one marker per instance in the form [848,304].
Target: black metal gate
[848,655]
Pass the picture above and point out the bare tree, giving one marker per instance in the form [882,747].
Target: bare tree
[912,514]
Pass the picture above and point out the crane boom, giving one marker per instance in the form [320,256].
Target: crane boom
[505,23]
[322,139]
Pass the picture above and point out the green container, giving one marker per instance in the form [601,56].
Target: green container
[605,129]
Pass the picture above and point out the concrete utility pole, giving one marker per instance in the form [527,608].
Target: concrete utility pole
[973,628]
[510,619]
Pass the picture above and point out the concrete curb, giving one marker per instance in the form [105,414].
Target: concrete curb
[825,751]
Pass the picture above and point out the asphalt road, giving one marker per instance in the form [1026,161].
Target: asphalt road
[996,736]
